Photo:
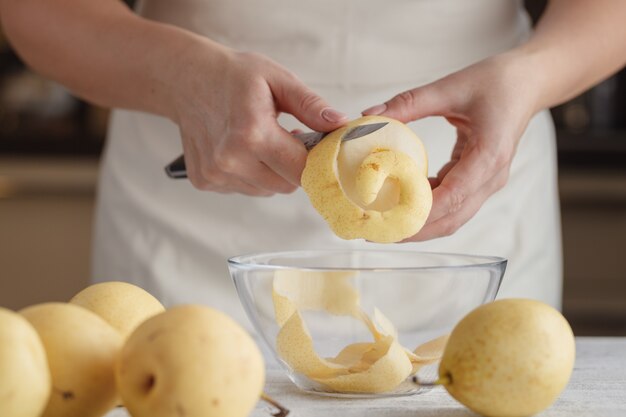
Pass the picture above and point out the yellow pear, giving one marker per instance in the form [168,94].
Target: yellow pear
[190,361]
[374,187]
[124,306]
[24,375]
[81,349]
[509,358]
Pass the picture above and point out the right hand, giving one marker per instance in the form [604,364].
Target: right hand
[226,104]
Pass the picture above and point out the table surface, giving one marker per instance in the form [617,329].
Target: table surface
[597,388]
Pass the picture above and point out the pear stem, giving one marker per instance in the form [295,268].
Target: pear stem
[282,411]
[444,380]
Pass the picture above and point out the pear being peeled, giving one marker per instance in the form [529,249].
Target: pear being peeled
[509,358]
[374,187]
[24,375]
[190,361]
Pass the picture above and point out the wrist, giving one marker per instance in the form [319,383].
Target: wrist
[535,68]
[175,64]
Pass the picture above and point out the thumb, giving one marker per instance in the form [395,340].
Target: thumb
[293,97]
[412,104]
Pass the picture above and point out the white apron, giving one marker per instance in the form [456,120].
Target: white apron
[174,240]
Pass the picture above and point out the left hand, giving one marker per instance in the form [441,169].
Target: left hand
[490,104]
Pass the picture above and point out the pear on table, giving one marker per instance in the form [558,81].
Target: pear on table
[81,350]
[25,382]
[509,358]
[190,361]
[124,306]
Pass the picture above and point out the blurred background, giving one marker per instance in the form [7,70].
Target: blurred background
[50,143]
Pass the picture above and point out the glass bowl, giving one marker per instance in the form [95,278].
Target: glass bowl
[360,297]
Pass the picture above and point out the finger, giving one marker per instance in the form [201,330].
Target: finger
[224,184]
[443,172]
[210,178]
[261,176]
[293,97]
[285,155]
[242,187]
[459,180]
[193,166]
[414,104]
[448,225]
[225,170]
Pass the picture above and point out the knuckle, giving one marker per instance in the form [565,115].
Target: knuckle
[502,180]
[226,162]
[500,160]
[309,100]
[406,98]
[196,177]
[456,199]
[244,138]
[200,183]
[254,142]
[212,177]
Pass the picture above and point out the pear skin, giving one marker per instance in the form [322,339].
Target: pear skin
[124,306]
[190,361]
[81,349]
[509,358]
[24,375]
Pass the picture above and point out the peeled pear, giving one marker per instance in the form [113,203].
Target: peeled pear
[124,306]
[190,361]
[509,358]
[81,349]
[24,376]
[374,187]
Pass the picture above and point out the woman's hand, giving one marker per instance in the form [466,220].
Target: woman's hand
[224,102]
[490,104]
[226,105]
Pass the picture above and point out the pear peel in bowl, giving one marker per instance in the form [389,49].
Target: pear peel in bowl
[346,323]
[372,367]
[374,187]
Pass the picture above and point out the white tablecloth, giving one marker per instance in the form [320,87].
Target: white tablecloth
[597,388]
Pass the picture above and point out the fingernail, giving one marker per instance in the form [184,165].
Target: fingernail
[333,116]
[375,110]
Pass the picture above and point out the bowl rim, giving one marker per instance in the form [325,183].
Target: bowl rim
[243,261]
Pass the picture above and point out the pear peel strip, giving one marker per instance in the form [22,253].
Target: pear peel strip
[376,366]
[372,367]
[384,374]
[329,291]
[295,347]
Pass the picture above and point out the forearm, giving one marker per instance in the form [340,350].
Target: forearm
[576,44]
[101,50]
